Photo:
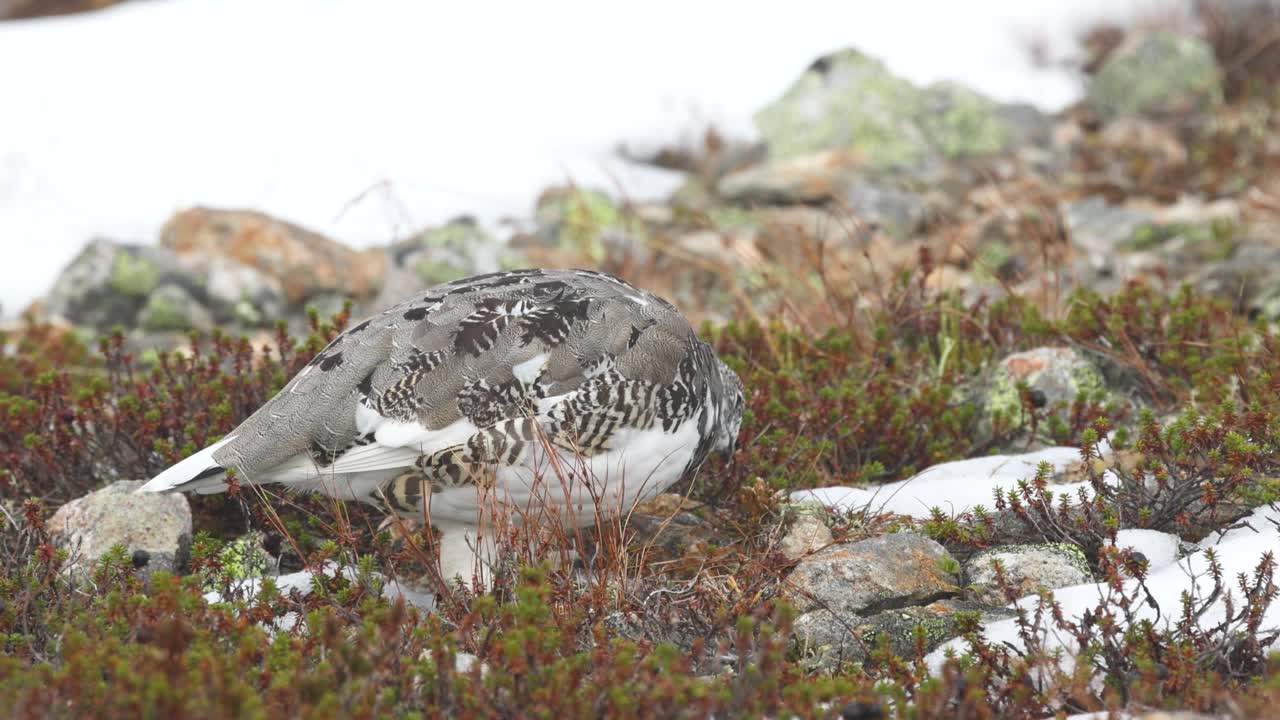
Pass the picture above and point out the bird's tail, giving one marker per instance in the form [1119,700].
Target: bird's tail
[198,473]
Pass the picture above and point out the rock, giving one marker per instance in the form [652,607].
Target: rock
[880,573]
[170,308]
[961,122]
[880,201]
[1159,74]
[303,262]
[1055,375]
[848,100]
[1249,279]
[108,283]
[670,524]
[454,250]
[827,640]
[154,529]
[586,224]
[1097,229]
[241,294]
[808,534]
[1028,568]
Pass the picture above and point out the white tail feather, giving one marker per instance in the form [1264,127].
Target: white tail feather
[184,471]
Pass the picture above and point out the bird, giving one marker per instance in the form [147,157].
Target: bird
[537,394]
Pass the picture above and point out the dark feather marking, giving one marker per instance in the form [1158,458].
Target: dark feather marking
[331,362]
[208,473]
[416,314]
[366,385]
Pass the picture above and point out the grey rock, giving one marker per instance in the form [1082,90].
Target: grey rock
[241,294]
[457,249]
[826,640]
[883,200]
[171,308]
[108,283]
[1029,568]
[1250,279]
[881,573]
[1157,74]
[808,534]
[154,529]
[1097,229]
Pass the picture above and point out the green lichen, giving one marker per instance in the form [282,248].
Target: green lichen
[133,275]
[961,122]
[854,102]
[247,313]
[1166,73]
[583,216]
[163,313]
[243,558]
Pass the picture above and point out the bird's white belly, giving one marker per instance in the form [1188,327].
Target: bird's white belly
[575,490]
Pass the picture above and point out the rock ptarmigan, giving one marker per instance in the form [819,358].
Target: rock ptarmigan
[534,391]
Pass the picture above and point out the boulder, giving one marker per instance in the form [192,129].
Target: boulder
[881,573]
[850,101]
[155,530]
[109,283]
[304,263]
[1028,568]
[1160,74]
[454,250]
[1056,376]
[826,640]
[808,534]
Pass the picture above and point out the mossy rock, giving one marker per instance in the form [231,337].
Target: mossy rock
[1163,73]
[132,274]
[850,101]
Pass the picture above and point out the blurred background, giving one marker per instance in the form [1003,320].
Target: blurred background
[176,164]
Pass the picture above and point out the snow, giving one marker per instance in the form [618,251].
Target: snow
[302,580]
[955,487]
[1160,548]
[1238,551]
[364,119]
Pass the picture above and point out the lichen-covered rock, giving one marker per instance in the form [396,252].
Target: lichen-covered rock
[808,534]
[1028,568]
[1056,376]
[303,262]
[826,640]
[587,224]
[457,249]
[1157,74]
[108,283]
[170,308]
[155,530]
[241,294]
[880,573]
[848,100]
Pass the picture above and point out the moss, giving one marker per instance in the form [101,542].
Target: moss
[134,275]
